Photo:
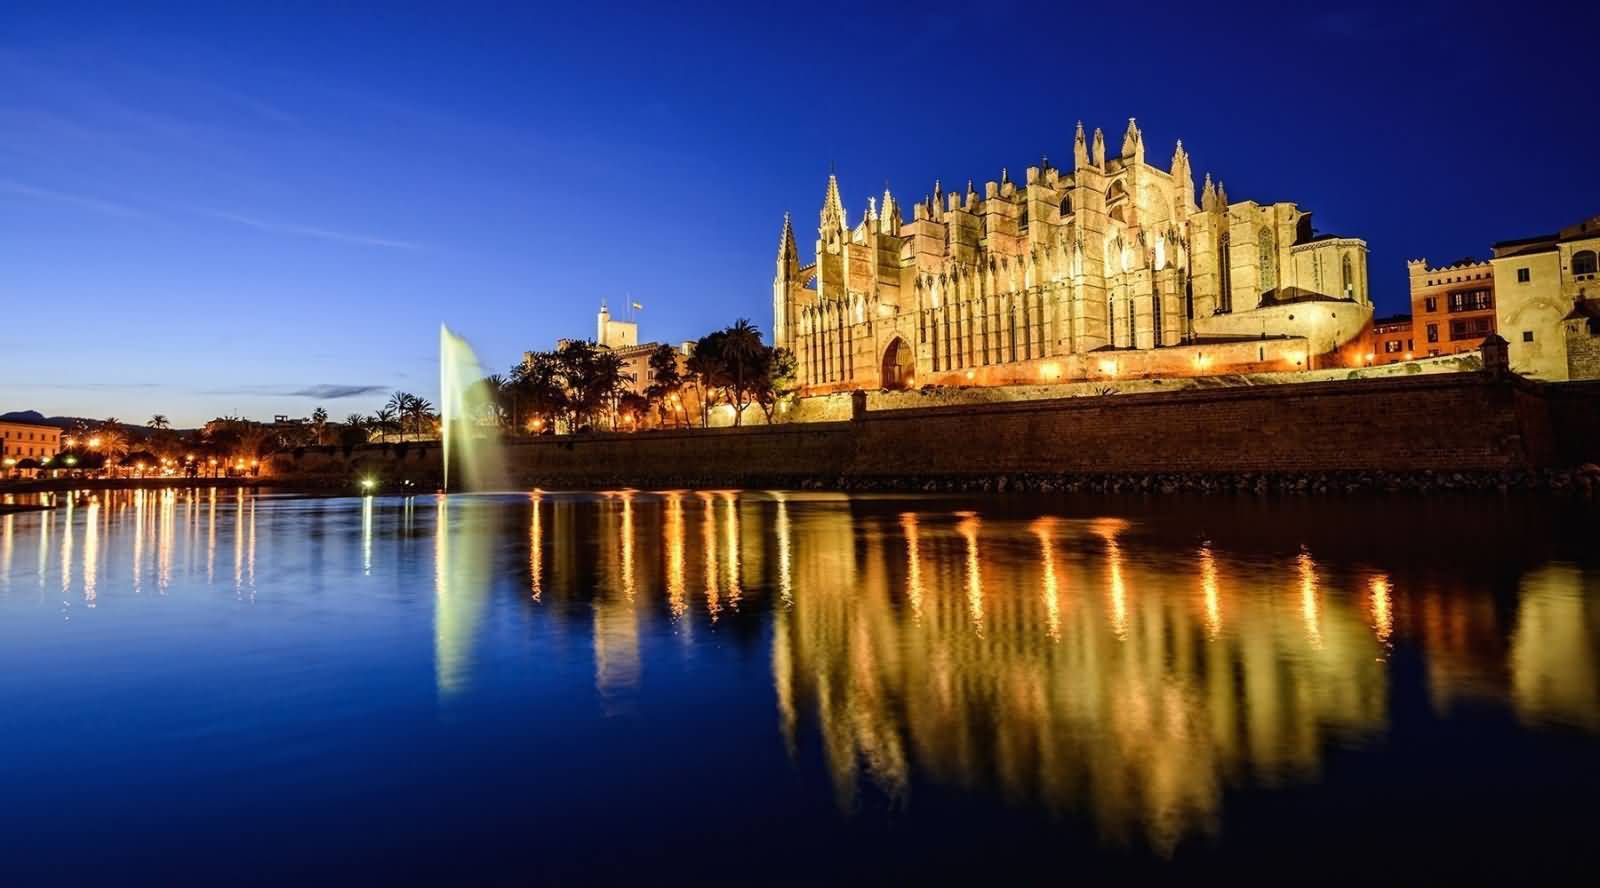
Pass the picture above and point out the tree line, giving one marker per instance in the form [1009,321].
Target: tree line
[580,386]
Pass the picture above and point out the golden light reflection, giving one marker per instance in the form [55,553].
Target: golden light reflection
[1555,671]
[1138,711]
[730,544]
[1208,590]
[91,551]
[708,543]
[536,547]
[166,529]
[1108,529]
[908,527]
[1382,618]
[1308,598]
[781,526]
[44,548]
[627,545]
[66,550]
[211,536]
[672,528]
[968,529]
[238,546]
[138,539]
[1044,529]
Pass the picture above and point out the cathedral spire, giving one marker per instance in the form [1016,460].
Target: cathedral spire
[1222,197]
[889,218]
[1208,195]
[788,254]
[1080,149]
[786,247]
[1130,139]
[833,215]
[1099,148]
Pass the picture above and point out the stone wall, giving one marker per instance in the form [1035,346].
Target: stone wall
[1388,425]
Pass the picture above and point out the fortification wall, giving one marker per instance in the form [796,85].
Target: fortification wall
[1444,423]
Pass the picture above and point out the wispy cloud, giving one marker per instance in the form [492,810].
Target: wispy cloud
[334,391]
[324,391]
[93,204]
[327,234]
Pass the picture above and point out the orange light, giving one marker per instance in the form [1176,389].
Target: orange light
[971,375]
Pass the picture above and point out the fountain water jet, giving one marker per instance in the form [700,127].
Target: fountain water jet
[462,400]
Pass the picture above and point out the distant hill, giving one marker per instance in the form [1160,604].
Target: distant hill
[68,422]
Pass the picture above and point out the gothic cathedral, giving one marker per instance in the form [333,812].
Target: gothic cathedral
[1110,268]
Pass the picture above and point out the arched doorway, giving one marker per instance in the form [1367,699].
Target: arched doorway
[899,365]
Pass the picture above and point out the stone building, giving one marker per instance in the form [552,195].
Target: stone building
[1452,306]
[25,444]
[1549,302]
[1392,340]
[1109,269]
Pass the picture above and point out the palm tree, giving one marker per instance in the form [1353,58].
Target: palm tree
[400,404]
[159,421]
[319,423]
[383,422]
[743,350]
[419,412]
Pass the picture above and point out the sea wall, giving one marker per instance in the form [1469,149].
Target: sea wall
[1387,429]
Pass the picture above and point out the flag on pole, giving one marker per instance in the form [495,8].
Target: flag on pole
[638,307]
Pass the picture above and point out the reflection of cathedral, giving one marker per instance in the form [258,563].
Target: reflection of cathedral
[1070,663]
[1108,268]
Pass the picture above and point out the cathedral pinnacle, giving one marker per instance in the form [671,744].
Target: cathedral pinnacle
[1099,148]
[786,247]
[833,215]
[889,218]
[1080,149]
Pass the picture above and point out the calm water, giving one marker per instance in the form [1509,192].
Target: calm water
[761,687]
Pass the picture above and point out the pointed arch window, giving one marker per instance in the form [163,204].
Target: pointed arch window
[1347,278]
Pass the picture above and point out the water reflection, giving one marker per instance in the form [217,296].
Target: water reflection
[1094,663]
[464,529]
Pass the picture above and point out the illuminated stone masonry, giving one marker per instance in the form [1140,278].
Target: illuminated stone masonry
[1108,270]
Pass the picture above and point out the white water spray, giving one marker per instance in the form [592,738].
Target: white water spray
[463,401]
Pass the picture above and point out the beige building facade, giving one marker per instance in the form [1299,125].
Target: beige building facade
[1548,302]
[1111,268]
[21,440]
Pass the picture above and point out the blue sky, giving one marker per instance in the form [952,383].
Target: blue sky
[208,209]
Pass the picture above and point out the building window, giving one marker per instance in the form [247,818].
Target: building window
[1524,275]
[1391,347]
[1527,335]
[1433,332]
[1348,278]
[1430,303]
[1583,262]
[1471,300]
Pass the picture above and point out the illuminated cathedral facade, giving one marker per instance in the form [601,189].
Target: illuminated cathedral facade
[1110,269]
